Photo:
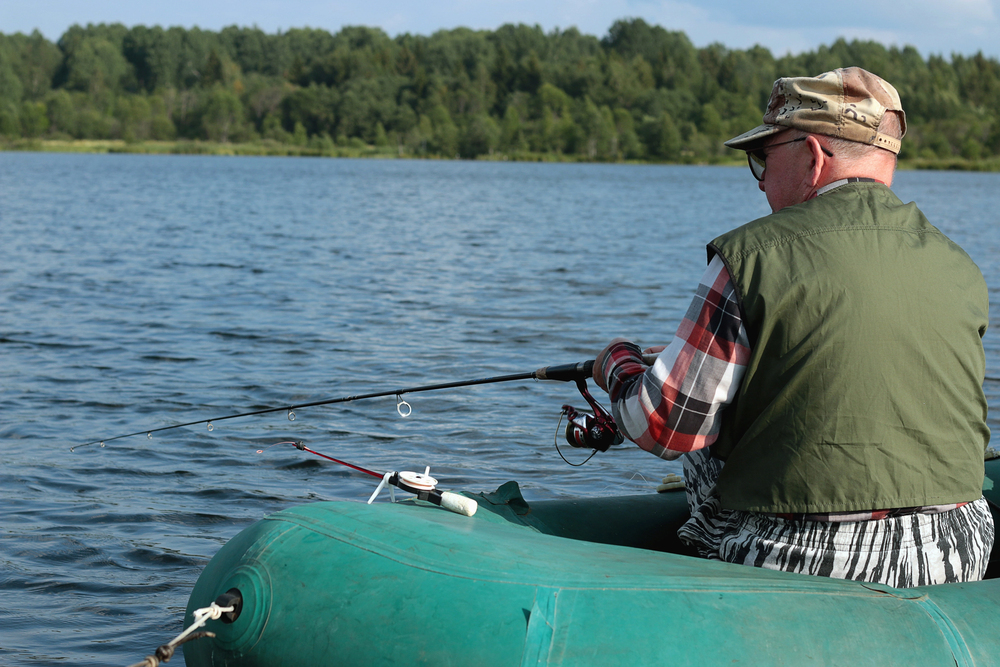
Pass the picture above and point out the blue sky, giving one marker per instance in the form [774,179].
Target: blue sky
[933,26]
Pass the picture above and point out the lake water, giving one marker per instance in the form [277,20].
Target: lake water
[144,291]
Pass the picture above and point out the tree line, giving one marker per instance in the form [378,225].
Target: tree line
[639,93]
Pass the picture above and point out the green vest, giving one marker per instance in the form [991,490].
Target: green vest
[864,386]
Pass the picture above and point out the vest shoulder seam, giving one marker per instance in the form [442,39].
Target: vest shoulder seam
[784,240]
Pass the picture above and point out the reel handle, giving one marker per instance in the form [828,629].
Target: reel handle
[458,504]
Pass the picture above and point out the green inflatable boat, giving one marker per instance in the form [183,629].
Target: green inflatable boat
[599,581]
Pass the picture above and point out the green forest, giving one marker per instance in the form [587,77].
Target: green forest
[640,93]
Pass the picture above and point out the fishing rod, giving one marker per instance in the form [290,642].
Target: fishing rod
[422,485]
[578,372]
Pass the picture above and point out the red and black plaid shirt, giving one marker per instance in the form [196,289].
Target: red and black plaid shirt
[673,407]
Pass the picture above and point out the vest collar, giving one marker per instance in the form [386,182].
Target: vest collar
[844,181]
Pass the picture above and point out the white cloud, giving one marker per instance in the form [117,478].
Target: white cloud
[962,26]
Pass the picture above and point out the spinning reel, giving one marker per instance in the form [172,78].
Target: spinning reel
[597,431]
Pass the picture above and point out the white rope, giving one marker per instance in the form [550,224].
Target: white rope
[201,616]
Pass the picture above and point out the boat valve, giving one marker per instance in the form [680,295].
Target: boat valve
[231,598]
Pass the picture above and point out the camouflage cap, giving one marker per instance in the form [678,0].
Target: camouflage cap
[845,103]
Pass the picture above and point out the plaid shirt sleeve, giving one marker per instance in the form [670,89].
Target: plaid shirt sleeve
[674,406]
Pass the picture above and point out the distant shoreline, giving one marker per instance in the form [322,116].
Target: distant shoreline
[277,149]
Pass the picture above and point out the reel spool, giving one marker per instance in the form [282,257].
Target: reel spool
[417,481]
[589,431]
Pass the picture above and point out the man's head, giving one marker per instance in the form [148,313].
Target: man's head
[843,123]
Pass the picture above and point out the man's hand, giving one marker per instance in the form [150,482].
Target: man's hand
[599,362]
[648,357]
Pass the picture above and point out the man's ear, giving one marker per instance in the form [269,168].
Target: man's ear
[820,162]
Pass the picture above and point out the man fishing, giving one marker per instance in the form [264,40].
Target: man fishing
[825,385]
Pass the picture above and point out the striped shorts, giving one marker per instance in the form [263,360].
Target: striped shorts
[903,551]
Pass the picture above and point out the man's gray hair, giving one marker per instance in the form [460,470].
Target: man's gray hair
[853,150]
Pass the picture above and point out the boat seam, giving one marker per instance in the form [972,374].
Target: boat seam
[410,559]
[952,635]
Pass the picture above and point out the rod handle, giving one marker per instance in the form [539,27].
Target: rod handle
[582,370]
[566,372]
[458,504]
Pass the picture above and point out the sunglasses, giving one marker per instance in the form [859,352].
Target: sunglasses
[757,159]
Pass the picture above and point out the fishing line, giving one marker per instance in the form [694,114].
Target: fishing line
[555,441]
